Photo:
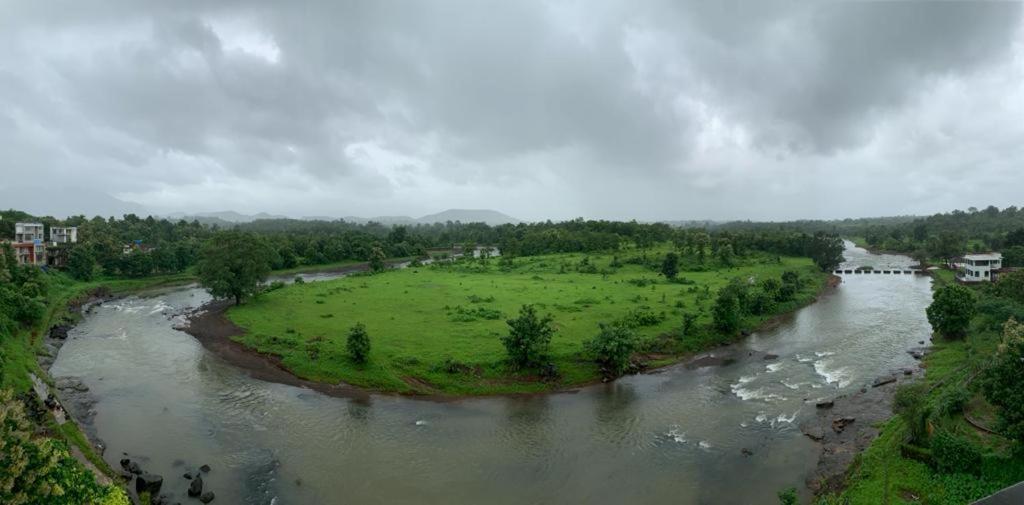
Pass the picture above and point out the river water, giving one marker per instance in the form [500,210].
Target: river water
[675,436]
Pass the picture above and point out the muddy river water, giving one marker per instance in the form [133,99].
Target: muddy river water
[676,436]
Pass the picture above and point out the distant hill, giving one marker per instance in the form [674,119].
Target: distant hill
[491,217]
[229,216]
[61,202]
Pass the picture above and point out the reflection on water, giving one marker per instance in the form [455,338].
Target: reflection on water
[670,437]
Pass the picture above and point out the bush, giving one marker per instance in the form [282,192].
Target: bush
[910,404]
[788,496]
[1001,381]
[613,347]
[528,338]
[637,318]
[952,401]
[953,454]
[358,344]
[726,312]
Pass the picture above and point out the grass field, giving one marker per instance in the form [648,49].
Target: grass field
[436,329]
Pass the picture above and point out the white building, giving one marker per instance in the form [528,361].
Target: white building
[63,235]
[979,267]
[28,232]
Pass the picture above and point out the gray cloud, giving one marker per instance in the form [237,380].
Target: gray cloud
[604,109]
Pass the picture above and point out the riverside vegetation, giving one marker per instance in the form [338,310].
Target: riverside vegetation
[959,433]
[440,328]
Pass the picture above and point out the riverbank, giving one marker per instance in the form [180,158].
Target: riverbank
[221,335]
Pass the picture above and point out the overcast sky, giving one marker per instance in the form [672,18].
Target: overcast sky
[648,110]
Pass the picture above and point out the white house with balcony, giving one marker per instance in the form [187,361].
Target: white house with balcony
[28,232]
[979,267]
[63,235]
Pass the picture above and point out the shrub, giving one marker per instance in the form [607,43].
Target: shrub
[762,303]
[637,318]
[788,496]
[1001,381]
[910,404]
[952,401]
[612,347]
[358,344]
[528,338]
[953,454]
[726,312]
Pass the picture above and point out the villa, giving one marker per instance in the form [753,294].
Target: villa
[980,267]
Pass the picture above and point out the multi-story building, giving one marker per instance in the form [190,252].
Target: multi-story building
[28,244]
[980,267]
[63,235]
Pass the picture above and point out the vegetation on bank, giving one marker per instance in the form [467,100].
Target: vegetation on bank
[440,328]
[959,432]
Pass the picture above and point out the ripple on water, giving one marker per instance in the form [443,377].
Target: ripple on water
[839,376]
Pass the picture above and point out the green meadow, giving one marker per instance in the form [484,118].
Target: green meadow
[435,329]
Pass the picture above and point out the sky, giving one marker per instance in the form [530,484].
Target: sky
[766,110]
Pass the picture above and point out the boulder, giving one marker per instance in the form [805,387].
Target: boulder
[205,469]
[881,381]
[134,467]
[770,356]
[825,404]
[148,482]
[840,423]
[188,475]
[196,487]
[746,452]
[814,432]
[207,497]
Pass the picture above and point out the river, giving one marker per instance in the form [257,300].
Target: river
[675,436]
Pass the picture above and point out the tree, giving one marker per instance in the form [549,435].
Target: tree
[670,267]
[689,323]
[951,310]
[233,264]
[827,251]
[358,344]
[1012,286]
[1001,381]
[377,258]
[81,263]
[613,347]
[911,403]
[726,311]
[528,338]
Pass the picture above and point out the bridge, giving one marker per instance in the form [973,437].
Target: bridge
[878,271]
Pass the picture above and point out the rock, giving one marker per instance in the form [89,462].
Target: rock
[205,469]
[134,467]
[187,476]
[148,482]
[916,353]
[770,356]
[920,342]
[196,487]
[207,497]
[745,333]
[164,499]
[908,372]
[840,423]
[815,432]
[881,381]
[747,452]
[59,332]
[825,404]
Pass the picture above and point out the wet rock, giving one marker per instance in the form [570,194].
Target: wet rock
[908,372]
[813,432]
[840,423]
[916,353]
[770,356]
[71,383]
[205,469]
[148,482]
[207,497]
[745,333]
[825,404]
[134,467]
[196,487]
[920,342]
[747,452]
[881,381]
[188,475]
[59,332]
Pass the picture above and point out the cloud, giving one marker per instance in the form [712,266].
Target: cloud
[605,109]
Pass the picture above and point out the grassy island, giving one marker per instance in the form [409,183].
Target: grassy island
[436,329]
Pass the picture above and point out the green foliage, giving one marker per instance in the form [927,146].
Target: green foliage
[358,344]
[377,258]
[1002,381]
[726,311]
[953,454]
[951,310]
[640,317]
[788,496]
[670,266]
[528,338]
[827,251]
[234,264]
[81,263]
[1012,286]
[952,401]
[613,346]
[689,323]
[39,470]
[910,403]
